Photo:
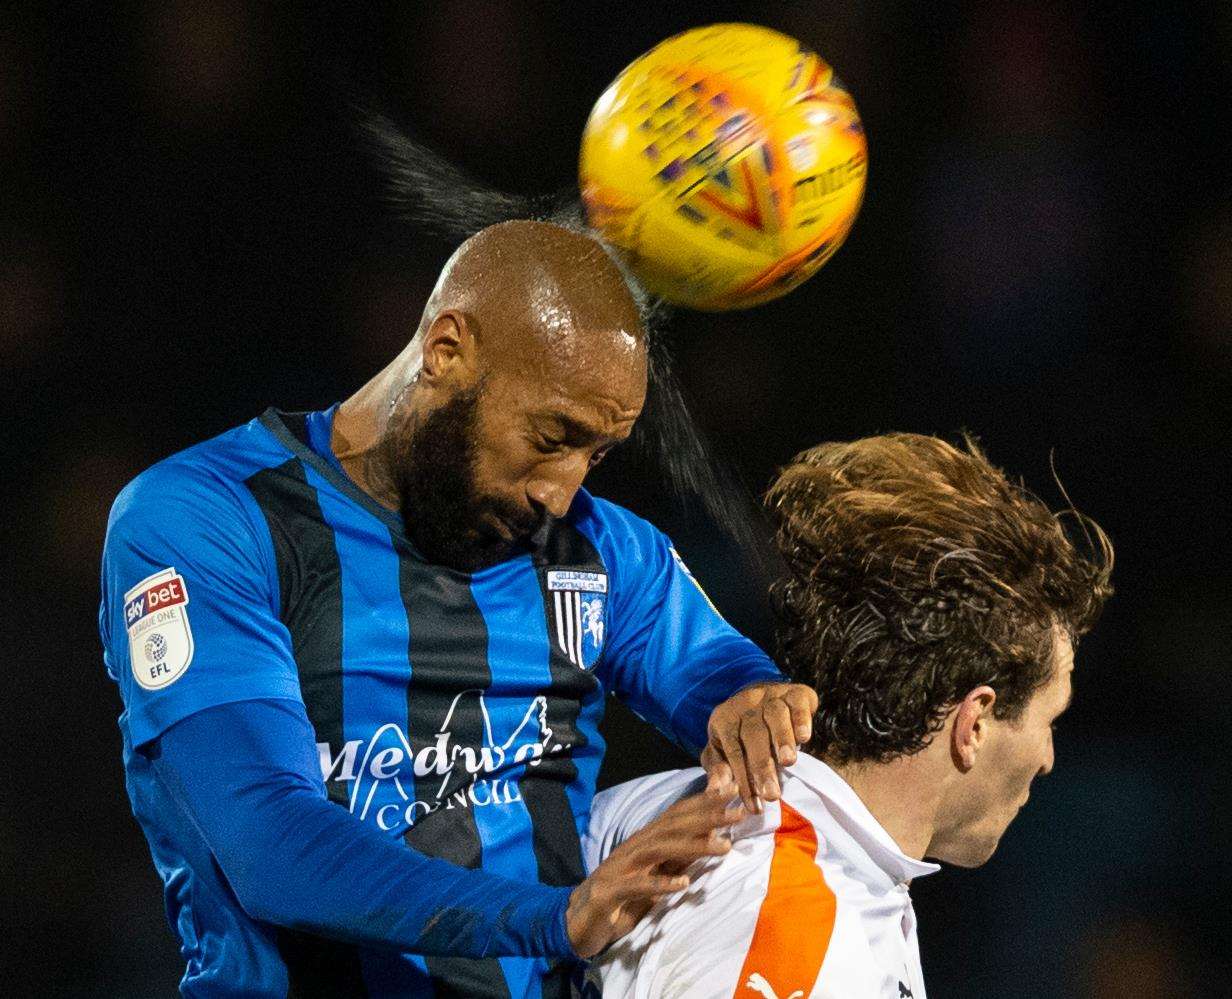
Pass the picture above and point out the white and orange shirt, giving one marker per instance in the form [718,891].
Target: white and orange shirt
[811,902]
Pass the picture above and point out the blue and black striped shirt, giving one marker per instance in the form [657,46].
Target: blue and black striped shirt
[458,712]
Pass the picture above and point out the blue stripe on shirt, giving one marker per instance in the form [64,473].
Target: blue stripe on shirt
[508,597]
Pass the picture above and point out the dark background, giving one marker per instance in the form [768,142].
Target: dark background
[188,233]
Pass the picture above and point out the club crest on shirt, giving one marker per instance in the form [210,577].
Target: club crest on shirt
[579,614]
[160,641]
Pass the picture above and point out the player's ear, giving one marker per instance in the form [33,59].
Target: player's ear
[449,351]
[971,725]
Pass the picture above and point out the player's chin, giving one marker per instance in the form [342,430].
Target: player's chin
[974,859]
[973,850]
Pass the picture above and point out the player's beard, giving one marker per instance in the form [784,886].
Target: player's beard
[445,514]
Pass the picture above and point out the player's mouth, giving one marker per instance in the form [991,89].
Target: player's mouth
[511,526]
[503,529]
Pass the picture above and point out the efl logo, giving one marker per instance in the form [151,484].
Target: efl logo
[160,642]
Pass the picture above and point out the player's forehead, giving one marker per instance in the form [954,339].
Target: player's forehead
[600,375]
[593,417]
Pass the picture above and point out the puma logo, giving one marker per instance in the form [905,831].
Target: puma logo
[758,984]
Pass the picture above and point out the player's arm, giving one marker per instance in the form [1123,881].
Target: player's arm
[674,659]
[246,773]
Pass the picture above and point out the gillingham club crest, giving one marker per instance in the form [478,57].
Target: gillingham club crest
[579,612]
[160,642]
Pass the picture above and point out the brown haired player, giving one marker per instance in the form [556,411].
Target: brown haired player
[934,606]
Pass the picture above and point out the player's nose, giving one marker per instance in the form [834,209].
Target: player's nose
[554,487]
[1049,761]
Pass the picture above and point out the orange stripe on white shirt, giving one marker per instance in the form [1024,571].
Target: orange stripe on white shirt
[810,903]
[796,917]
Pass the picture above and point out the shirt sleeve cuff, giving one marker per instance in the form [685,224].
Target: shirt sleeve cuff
[558,941]
[540,909]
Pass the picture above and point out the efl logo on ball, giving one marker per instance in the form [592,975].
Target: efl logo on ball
[160,642]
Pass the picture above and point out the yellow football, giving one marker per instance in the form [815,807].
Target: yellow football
[727,163]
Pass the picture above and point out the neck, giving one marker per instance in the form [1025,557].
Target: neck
[361,423]
[903,795]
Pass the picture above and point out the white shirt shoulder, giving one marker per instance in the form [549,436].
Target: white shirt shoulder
[811,902]
[620,811]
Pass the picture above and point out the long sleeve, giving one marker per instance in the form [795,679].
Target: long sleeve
[246,775]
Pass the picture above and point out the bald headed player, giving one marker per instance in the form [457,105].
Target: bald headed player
[363,654]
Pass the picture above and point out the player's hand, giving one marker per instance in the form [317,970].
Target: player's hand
[755,732]
[649,865]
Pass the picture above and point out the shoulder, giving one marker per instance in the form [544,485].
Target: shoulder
[717,938]
[620,811]
[199,489]
[614,530]
[769,910]
[595,513]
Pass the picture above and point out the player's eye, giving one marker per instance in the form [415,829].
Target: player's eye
[546,445]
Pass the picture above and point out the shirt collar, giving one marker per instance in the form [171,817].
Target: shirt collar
[855,817]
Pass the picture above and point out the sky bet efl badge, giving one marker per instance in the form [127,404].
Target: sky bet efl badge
[578,602]
[160,643]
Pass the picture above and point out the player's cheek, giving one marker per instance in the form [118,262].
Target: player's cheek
[504,465]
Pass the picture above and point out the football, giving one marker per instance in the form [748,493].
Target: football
[727,164]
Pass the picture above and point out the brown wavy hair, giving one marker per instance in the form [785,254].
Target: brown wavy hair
[915,572]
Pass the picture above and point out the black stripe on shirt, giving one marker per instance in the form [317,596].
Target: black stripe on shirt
[310,584]
[449,674]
